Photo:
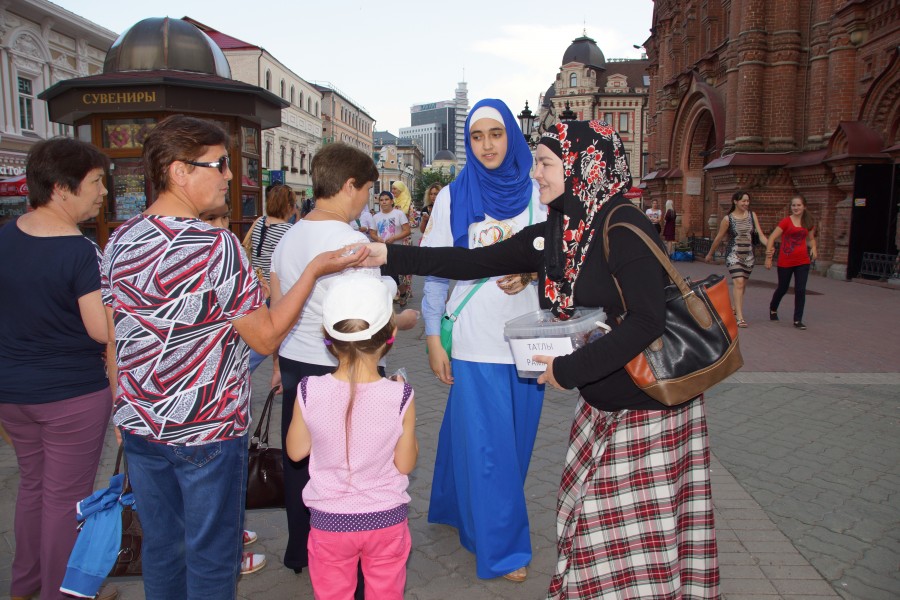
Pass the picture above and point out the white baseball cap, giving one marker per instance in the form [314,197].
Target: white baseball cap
[357,297]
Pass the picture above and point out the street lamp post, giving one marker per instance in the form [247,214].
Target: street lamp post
[568,114]
[526,123]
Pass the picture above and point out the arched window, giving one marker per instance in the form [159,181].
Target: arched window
[317,108]
[292,94]
[573,80]
[300,102]
[282,88]
[268,155]
[293,158]
[283,161]
[269,80]
[308,105]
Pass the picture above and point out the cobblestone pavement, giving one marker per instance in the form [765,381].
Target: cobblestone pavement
[806,451]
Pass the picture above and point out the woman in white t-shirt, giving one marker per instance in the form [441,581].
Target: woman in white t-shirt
[342,179]
[654,214]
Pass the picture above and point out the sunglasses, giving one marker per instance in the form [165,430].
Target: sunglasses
[220,164]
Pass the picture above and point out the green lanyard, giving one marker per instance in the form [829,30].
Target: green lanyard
[481,282]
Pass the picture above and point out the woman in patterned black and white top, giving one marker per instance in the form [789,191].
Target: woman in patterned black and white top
[738,224]
[183,305]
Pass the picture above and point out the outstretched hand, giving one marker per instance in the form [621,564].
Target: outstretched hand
[336,261]
[377,255]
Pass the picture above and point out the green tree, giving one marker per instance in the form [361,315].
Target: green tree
[424,181]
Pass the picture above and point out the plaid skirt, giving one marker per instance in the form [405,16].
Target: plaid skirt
[634,512]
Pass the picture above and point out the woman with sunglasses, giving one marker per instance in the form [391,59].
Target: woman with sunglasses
[182,306]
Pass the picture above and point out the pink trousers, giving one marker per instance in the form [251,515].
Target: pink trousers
[333,557]
[58,447]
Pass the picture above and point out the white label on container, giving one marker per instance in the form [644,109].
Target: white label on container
[525,348]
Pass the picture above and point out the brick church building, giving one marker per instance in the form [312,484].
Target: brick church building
[774,98]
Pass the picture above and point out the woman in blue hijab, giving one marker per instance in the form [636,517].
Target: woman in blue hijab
[492,415]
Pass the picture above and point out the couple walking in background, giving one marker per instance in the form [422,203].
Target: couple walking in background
[798,249]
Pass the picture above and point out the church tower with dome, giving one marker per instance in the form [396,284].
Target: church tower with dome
[594,87]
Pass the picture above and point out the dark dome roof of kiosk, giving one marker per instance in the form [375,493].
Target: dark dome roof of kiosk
[585,51]
[444,155]
[166,44]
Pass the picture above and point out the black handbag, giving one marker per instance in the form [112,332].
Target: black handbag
[699,347]
[754,235]
[128,562]
[265,471]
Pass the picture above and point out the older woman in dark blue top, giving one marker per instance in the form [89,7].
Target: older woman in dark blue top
[55,400]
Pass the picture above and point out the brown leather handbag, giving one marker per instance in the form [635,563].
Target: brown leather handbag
[265,471]
[699,347]
[128,562]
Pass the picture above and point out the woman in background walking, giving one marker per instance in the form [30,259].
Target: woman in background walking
[738,225]
[669,226]
[798,249]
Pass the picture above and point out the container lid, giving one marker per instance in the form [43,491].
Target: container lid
[542,323]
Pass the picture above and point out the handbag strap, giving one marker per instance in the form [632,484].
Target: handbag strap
[121,461]
[262,236]
[262,434]
[695,305]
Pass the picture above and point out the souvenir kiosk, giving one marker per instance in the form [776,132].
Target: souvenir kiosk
[157,68]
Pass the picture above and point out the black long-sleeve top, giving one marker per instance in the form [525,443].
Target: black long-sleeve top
[596,369]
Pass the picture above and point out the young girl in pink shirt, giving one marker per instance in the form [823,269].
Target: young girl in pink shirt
[358,429]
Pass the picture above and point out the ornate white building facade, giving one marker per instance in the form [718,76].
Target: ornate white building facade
[40,45]
[287,149]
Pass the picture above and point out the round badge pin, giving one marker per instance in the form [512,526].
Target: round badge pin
[538,243]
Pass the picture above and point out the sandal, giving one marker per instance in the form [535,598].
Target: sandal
[518,576]
[742,323]
[251,563]
[249,537]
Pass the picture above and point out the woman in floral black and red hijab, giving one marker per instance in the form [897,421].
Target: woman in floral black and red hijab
[634,512]
[594,169]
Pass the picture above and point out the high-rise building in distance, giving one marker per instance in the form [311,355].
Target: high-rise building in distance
[440,125]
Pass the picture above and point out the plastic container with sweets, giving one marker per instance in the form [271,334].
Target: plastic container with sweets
[539,332]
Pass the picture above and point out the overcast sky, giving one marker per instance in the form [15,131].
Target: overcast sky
[388,55]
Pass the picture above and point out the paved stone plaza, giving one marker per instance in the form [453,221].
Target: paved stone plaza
[806,468]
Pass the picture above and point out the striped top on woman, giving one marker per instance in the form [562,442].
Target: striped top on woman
[264,238]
